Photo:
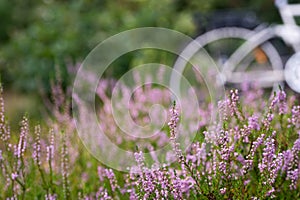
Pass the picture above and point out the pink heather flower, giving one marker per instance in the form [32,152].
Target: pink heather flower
[225,150]
[201,154]
[157,194]
[2,111]
[295,119]
[163,183]
[20,148]
[1,157]
[234,95]
[223,190]
[176,183]
[50,152]
[234,98]
[133,195]
[139,158]
[293,176]
[270,193]
[296,147]
[148,181]
[37,146]
[5,130]
[241,159]
[273,102]
[50,148]
[103,194]
[280,100]
[187,184]
[244,132]
[222,107]
[287,159]
[268,119]
[275,167]
[253,123]
[101,173]
[249,158]
[14,175]
[173,129]
[268,154]
[112,179]
[173,120]
[293,171]
[246,182]
[23,138]
[64,169]
[50,197]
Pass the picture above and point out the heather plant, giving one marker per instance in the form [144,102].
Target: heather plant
[249,153]
[244,157]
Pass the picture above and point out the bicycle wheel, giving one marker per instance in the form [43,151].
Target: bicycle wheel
[262,66]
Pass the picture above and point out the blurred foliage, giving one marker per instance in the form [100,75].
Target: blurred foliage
[36,35]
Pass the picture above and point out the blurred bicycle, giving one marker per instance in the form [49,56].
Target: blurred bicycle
[245,55]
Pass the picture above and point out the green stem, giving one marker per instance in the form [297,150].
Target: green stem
[51,174]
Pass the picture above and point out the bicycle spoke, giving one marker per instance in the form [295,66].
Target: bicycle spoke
[246,48]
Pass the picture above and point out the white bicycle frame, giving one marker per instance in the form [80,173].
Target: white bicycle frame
[288,11]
